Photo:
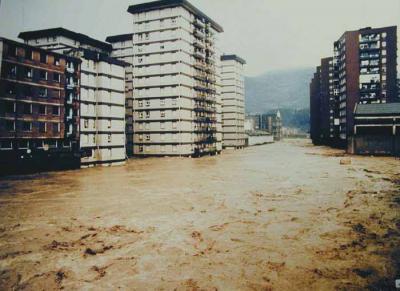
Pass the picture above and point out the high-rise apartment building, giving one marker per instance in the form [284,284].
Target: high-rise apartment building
[233,105]
[123,50]
[39,108]
[366,63]
[174,79]
[102,93]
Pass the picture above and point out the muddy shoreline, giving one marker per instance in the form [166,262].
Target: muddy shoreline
[281,216]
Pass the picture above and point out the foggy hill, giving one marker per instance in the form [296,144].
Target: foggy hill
[287,90]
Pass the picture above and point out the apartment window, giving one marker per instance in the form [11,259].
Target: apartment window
[6,145]
[56,110]
[11,71]
[42,109]
[383,43]
[56,61]
[12,51]
[140,103]
[173,20]
[174,101]
[147,36]
[27,108]
[42,127]
[43,75]
[42,92]
[147,114]
[140,137]
[383,52]
[162,125]
[109,123]
[162,23]
[147,137]
[28,54]
[140,114]
[147,103]
[11,89]
[23,144]
[26,126]
[384,35]
[140,36]
[9,125]
[94,138]
[86,123]
[140,60]
[9,107]
[56,127]
[162,102]
[28,73]
[109,137]
[147,126]
[174,125]
[56,77]
[27,90]
[43,58]
[140,149]
[383,60]
[162,113]
[162,47]
[140,125]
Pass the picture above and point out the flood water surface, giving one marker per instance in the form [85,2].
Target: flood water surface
[281,216]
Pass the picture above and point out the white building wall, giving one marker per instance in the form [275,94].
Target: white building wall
[233,103]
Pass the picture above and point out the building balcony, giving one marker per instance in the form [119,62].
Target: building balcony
[369,38]
[197,43]
[199,54]
[198,23]
[199,34]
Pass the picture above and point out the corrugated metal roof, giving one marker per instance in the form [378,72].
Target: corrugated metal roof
[378,109]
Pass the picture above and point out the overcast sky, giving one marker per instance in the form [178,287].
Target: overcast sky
[269,34]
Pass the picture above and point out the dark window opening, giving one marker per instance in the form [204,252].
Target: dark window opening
[27,108]
[11,89]
[26,126]
[56,128]
[43,58]
[56,77]
[42,109]
[28,73]
[11,71]
[12,50]
[28,54]
[43,75]
[56,61]
[9,107]
[42,127]
[56,110]
[28,91]
[43,92]
[10,125]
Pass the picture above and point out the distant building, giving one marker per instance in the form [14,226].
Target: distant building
[272,123]
[323,105]
[233,103]
[39,108]
[102,93]
[376,129]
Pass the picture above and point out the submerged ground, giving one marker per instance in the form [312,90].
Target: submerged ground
[281,216]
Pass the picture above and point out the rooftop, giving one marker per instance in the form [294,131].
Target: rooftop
[119,37]
[234,58]
[162,4]
[60,31]
[377,109]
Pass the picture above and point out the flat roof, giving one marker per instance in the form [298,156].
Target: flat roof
[162,4]
[119,37]
[60,31]
[377,109]
[234,58]
[35,48]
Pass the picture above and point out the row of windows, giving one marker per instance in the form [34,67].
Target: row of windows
[147,103]
[12,51]
[86,138]
[26,108]
[28,126]
[162,148]
[26,144]
[31,91]
[14,71]
[86,123]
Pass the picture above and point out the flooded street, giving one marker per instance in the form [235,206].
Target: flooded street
[281,216]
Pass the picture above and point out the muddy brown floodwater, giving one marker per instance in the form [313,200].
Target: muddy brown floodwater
[275,217]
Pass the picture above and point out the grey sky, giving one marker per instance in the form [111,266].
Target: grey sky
[269,34]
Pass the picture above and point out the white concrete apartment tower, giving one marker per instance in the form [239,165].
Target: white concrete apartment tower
[102,93]
[174,76]
[233,101]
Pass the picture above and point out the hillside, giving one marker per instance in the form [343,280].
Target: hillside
[287,90]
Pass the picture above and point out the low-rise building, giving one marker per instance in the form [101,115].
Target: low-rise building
[39,108]
[376,129]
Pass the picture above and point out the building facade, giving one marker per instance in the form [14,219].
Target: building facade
[233,103]
[272,123]
[174,80]
[39,108]
[102,93]
[123,50]
[366,64]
